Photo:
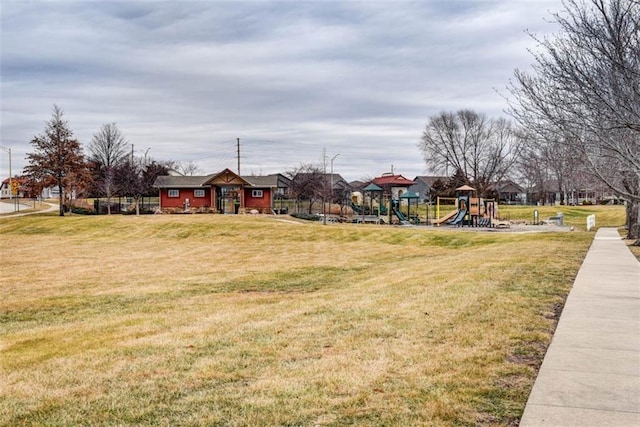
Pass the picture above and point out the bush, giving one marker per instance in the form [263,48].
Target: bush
[81,211]
[306,216]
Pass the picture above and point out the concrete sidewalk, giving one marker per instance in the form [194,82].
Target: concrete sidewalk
[590,375]
[7,209]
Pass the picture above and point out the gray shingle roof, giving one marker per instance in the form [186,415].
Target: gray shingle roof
[166,181]
[273,180]
[262,180]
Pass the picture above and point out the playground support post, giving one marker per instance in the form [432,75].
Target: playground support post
[438,199]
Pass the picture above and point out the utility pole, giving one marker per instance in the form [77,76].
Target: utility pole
[238,149]
[324,183]
[324,186]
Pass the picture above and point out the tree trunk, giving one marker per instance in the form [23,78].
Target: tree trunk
[61,194]
[633,228]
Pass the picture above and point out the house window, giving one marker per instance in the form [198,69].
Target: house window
[256,193]
[198,193]
[174,193]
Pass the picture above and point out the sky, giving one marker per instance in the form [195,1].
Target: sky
[345,83]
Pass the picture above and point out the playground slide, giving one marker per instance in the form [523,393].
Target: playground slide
[445,218]
[356,208]
[458,219]
[403,219]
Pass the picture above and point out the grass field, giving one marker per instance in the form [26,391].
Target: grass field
[575,216]
[242,320]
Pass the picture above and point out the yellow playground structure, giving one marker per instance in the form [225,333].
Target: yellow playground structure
[469,210]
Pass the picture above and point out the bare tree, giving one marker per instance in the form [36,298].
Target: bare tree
[108,151]
[188,168]
[483,149]
[585,85]
[553,164]
[57,159]
[307,184]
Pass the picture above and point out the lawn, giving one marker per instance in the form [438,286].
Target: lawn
[250,320]
[576,216]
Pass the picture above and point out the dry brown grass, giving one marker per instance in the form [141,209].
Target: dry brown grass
[221,320]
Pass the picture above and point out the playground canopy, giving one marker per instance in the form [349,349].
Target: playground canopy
[465,188]
[409,195]
[372,187]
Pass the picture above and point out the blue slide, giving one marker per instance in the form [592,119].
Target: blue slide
[459,217]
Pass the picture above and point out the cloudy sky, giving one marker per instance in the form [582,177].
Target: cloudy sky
[291,79]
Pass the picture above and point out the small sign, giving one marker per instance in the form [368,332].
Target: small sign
[591,222]
[14,187]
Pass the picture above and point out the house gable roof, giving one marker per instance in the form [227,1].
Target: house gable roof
[508,186]
[430,180]
[276,180]
[338,180]
[226,177]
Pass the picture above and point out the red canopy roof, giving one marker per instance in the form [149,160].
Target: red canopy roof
[393,180]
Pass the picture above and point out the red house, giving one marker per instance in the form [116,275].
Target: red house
[223,192]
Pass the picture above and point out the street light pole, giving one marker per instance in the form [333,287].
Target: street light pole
[331,187]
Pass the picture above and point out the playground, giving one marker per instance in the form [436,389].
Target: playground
[465,212]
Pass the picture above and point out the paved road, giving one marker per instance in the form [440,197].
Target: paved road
[590,375]
[7,207]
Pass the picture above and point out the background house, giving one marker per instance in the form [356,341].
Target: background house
[340,188]
[24,188]
[509,192]
[5,190]
[424,184]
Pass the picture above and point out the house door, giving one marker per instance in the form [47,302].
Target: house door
[227,199]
